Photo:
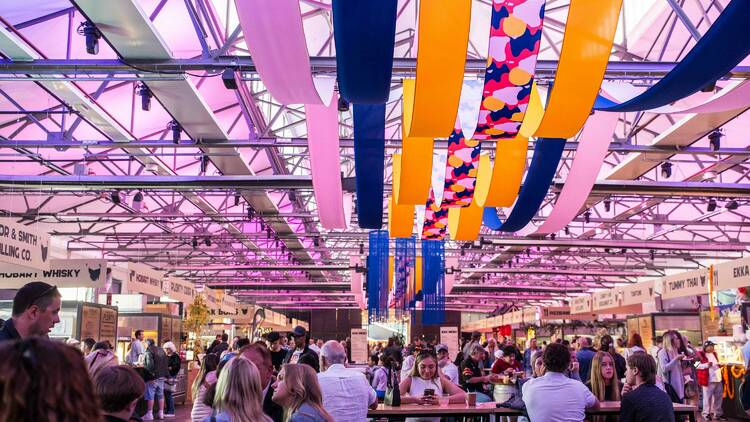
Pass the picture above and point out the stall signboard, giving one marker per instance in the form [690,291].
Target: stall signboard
[23,245]
[181,290]
[581,305]
[637,293]
[91,317]
[691,283]
[563,313]
[108,325]
[228,305]
[145,280]
[516,317]
[632,326]
[605,299]
[211,300]
[732,274]
[90,273]
[529,315]
[176,329]
[359,345]
[646,330]
[449,337]
[245,314]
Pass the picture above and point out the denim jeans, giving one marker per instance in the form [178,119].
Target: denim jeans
[168,402]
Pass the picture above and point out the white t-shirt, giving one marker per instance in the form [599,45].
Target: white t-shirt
[346,393]
[556,398]
[295,356]
[451,371]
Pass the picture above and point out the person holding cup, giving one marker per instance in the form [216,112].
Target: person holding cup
[426,386]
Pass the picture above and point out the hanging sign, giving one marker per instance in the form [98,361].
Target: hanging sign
[180,290]
[732,274]
[211,300]
[359,345]
[60,272]
[23,245]
[530,315]
[637,293]
[449,337]
[563,313]
[581,305]
[605,299]
[516,317]
[228,305]
[145,280]
[691,283]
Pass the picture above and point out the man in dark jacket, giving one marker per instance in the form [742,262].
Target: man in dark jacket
[261,357]
[302,352]
[221,347]
[156,364]
[36,309]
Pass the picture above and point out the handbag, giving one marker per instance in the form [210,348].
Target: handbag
[672,393]
[392,392]
[170,384]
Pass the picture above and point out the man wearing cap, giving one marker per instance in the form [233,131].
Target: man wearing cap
[36,309]
[709,378]
[277,353]
[449,369]
[302,352]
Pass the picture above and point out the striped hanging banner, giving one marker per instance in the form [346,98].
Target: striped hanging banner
[405,259]
[433,285]
[377,276]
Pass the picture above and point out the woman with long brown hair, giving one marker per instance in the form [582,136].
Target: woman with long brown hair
[603,382]
[297,390]
[42,380]
[239,396]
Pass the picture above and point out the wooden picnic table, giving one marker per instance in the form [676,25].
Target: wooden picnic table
[484,410]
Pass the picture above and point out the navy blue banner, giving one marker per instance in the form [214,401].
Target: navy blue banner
[369,162]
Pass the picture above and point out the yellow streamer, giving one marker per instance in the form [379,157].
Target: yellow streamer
[431,102]
[589,35]
[400,217]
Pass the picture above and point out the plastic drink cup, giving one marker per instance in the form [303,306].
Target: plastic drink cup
[444,400]
[471,399]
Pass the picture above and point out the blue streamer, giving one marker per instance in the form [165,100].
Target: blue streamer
[724,45]
[369,160]
[404,263]
[377,276]
[547,154]
[365,32]
[433,282]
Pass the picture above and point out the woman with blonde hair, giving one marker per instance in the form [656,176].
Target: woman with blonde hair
[669,362]
[206,378]
[297,390]
[239,396]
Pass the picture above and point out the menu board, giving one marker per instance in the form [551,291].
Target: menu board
[646,330]
[633,328]
[90,319]
[449,337]
[166,329]
[108,325]
[359,345]
[176,329]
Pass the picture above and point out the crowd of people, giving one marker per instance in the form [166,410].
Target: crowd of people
[297,378]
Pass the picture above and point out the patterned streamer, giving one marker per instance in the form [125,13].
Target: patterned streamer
[377,276]
[433,285]
[515,33]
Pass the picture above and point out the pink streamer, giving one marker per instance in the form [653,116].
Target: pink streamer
[323,142]
[276,39]
[593,145]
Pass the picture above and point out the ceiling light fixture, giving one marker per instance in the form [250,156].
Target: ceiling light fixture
[666,169]
[227,76]
[145,94]
[115,197]
[137,201]
[195,242]
[714,139]
[88,30]
[732,205]
[176,129]
[207,241]
[711,205]
[587,217]
[607,205]
[343,104]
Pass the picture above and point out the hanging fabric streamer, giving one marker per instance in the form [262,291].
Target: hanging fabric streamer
[400,217]
[433,287]
[720,49]
[431,101]
[364,32]
[369,163]
[283,63]
[377,276]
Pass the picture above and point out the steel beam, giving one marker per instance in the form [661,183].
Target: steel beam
[545,69]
